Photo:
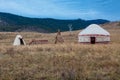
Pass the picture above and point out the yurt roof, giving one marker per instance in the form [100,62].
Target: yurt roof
[94,29]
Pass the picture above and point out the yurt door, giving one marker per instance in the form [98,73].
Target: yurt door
[93,39]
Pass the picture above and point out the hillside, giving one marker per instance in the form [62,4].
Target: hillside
[111,25]
[11,22]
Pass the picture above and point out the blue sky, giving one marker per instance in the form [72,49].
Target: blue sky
[64,9]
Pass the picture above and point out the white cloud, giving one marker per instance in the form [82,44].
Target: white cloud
[50,8]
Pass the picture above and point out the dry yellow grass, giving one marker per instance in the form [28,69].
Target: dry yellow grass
[68,61]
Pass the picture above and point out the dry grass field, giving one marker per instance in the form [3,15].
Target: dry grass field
[67,61]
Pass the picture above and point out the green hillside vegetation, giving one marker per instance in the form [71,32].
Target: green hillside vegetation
[10,22]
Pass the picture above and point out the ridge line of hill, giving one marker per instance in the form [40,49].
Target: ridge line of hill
[11,22]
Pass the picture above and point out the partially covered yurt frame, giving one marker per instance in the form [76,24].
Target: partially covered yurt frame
[19,41]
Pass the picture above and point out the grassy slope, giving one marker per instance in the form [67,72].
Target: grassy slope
[68,61]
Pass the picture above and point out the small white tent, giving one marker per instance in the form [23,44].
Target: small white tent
[19,40]
[94,34]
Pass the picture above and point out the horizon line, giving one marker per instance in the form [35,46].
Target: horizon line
[55,18]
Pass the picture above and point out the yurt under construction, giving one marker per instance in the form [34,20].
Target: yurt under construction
[94,34]
[19,40]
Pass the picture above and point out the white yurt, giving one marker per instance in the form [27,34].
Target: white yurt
[19,41]
[94,34]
